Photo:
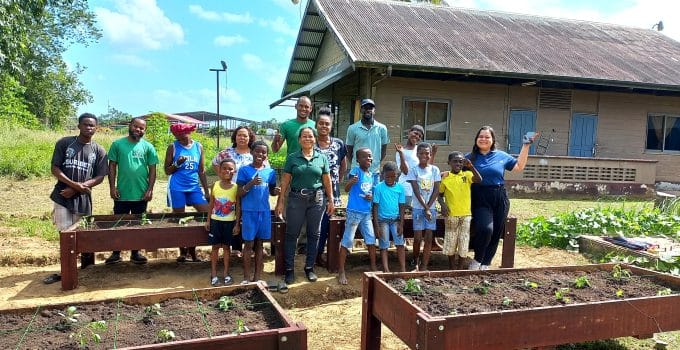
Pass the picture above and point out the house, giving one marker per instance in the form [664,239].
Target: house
[605,97]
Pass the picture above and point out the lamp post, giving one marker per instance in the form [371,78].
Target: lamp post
[217,75]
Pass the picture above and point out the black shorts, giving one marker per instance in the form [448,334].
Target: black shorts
[220,232]
[129,207]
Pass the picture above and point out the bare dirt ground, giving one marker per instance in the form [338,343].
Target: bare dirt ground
[331,312]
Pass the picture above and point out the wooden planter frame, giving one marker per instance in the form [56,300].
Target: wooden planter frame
[292,336]
[537,327]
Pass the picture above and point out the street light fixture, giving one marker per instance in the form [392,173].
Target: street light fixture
[217,75]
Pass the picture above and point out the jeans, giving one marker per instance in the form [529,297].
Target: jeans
[323,234]
[490,207]
[300,208]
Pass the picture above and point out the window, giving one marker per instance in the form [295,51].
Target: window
[663,133]
[433,115]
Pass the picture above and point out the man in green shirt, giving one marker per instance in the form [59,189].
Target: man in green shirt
[132,162]
[288,130]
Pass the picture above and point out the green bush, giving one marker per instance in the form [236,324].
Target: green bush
[561,231]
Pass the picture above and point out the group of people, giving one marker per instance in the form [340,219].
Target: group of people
[309,190]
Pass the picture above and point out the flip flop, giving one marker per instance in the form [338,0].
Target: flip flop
[273,286]
[282,287]
[181,259]
[52,278]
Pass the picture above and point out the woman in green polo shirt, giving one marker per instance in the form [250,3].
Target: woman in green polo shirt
[307,175]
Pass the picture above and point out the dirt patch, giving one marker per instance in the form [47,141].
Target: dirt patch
[126,325]
[460,295]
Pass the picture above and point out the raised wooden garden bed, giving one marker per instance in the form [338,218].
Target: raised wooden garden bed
[253,320]
[102,233]
[518,308]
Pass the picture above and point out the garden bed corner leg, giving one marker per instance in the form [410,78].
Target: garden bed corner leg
[68,254]
[278,241]
[508,257]
[335,232]
[370,339]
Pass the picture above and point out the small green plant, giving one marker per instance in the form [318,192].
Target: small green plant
[185,220]
[68,318]
[165,335]
[482,288]
[145,220]
[150,311]
[225,303]
[620,274]
[413,286]
[86,222]
[561,295]
[665,291]
[240,327]
[507,301]
[581,282]
[89,332]
[529,284]
[619,293]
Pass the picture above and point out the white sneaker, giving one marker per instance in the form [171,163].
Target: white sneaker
[484,267]
[474,265]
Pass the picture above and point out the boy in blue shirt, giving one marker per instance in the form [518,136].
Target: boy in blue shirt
[389,202]
[256,182]
[360,187]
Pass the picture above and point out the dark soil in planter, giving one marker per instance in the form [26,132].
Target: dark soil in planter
[491,292]
[127,326]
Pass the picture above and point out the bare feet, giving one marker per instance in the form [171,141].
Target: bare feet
[342,279]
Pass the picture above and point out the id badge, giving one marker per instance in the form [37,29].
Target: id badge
[319,196]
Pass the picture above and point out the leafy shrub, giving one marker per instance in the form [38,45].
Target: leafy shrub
[562,230]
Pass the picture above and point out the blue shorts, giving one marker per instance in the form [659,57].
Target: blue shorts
[220,232]
[256,225]
[356,220]
[387,227]
[178,199]
[420,222]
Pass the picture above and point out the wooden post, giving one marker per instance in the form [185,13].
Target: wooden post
[279,237]
[508,257]
[68,253]
[336,230]
[370,325]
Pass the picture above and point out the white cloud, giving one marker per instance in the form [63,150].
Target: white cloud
[279,25]
[224,16]
[224,40]
[139,24]
[266,71]
[132,60]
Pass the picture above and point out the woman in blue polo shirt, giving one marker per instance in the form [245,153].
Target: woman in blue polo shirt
[307,173]
[490,204]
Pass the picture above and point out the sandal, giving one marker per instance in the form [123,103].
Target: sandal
[196,259]
[244,282]
[228,280]
[181,259]
[282,287]
[52,278]
[214,281]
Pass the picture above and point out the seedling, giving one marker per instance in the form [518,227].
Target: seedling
[507,301]
[241,327]
[561,295]
[413,286]
[483,288]
[530,284]
[145,220]
[665,291]
[68,318]
[89,332]
[150,311]
[185,220]
[620,274]
[165,335]
[619,293]
[581,282]
[225,303]
[86,222]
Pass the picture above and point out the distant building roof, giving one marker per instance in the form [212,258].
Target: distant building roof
[440,39]
[209,117]
[179,119]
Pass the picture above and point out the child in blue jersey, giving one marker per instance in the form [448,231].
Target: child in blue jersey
[424,179]
[222,222]
[389,202]
[256,182]
[360,187]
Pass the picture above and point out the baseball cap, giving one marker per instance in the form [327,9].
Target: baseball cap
[367,101]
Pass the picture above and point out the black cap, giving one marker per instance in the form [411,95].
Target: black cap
[367,101]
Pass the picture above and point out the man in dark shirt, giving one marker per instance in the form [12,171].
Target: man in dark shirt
[79,164]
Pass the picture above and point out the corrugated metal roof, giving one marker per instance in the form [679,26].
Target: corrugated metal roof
[447,39]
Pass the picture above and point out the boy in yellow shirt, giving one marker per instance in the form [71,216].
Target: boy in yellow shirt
[455,201]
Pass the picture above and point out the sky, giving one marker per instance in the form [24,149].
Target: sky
[156,55]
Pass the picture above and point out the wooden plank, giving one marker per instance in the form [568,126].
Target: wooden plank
[278,238]
[508,253]
[370,324]
[141,238]
[68,254]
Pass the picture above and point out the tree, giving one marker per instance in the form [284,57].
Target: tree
[13,110]
[114,116]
